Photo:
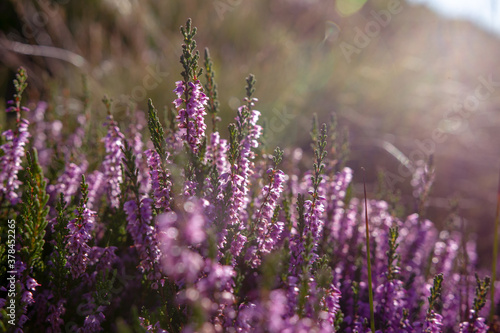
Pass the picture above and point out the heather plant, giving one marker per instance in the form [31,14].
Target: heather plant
[197,230]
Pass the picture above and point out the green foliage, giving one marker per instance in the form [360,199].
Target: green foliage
[60,271]
[211,90]
[20,84]
[104,288]
[320,154]
[435,293]
[300,210]
[481,294]
[277,157]
[392,256]
[156,131]
[251,81]
[189,57]
[234,151]
[33,218]
[131,172]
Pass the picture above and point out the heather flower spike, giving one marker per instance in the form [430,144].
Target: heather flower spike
[14,147]
[392,256]
[20,83]
[474,322]
[433,320]
[156,131]
[112,165]
[191,100]
[211,87]
[34,213]
[79,234]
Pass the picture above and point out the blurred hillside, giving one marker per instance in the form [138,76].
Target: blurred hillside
[394,86]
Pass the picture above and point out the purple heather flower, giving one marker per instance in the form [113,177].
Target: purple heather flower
[92,323]
[216,277]
[31,283]
[95,181]
[191,120]
[313,212]
[237,245]
[313,225]
[77,241]
[103,258]
[390,301]
[22,320]
[336,190]
[69,182]
[55,314]
[40,137]
[189,188]
[180,235]
[217,153]
[160,180]
[27,297]
[193,230]
[434,323]
[476,325]
[238,177]
[77,137]
[238,198]
[268,234]
[144,234]
[10,161]
[113,142]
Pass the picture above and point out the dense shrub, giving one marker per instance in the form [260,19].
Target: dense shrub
[195,233]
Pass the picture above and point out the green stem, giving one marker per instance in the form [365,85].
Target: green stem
[370,289]
[495,253]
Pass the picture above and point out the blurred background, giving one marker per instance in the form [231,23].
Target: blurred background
[407,79]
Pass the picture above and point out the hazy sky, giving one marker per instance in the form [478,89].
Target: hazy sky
[483,12]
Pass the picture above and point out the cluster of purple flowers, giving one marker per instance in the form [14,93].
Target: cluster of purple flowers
[11,160]
[191,119]
[113,143]
[213,236]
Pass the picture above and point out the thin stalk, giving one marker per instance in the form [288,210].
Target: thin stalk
[495,253]
[368,260]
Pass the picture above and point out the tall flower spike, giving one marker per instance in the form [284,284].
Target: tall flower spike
[34,213]
[268,233]
[433,320]
[217,152]
[14,148]
[160,180]
[113,142]
[191,100]
[211,87]
[243,137]
[145,236]
[80,234]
